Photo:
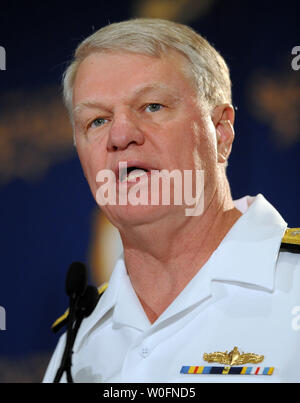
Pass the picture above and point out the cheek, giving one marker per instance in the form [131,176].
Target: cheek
[205,146]
[178,139]
[92,161]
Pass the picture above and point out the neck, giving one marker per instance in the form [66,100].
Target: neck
[161,259]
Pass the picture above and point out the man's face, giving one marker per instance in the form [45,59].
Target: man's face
[144,111]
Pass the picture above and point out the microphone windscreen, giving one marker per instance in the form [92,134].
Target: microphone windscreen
[89,300]
[76,280]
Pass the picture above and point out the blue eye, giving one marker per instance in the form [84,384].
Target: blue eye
[98,122]
[154,107]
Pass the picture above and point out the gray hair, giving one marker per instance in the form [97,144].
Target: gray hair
[154,37]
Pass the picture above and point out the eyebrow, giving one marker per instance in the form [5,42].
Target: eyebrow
[138,92]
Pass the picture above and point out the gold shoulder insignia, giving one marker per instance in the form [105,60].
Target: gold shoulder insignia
[62,320]
[234,357]
[291,240]
[102,288]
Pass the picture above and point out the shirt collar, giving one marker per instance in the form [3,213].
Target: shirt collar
[249,252]
[128,308]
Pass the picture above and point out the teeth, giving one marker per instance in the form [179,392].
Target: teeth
[136,173]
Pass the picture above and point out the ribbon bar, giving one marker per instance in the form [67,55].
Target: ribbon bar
[198,370]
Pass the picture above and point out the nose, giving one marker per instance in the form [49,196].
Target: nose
[124,132]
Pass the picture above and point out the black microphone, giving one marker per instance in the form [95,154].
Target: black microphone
[76,280]
[86,305]
[76,285]
[88,302]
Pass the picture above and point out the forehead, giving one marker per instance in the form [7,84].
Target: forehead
[115,73]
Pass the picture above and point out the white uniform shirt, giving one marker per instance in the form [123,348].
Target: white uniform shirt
[246,295]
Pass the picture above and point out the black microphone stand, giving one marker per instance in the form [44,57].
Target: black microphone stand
[66,361]
[80,308]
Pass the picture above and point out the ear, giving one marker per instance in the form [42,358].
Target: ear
[223,120]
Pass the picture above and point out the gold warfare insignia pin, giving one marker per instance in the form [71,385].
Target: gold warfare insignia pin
[233,364]
[234,357]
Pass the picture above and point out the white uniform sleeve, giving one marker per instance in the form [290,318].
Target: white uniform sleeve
[55,362]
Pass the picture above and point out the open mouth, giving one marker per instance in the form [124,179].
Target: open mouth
[130,174]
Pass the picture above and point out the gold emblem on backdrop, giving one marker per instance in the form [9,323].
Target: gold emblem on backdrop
[176,10]
[234,357]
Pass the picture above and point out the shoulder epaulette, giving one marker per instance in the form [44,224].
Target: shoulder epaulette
[291,241]
[62,320]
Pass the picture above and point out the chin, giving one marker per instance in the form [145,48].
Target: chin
[124,216]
